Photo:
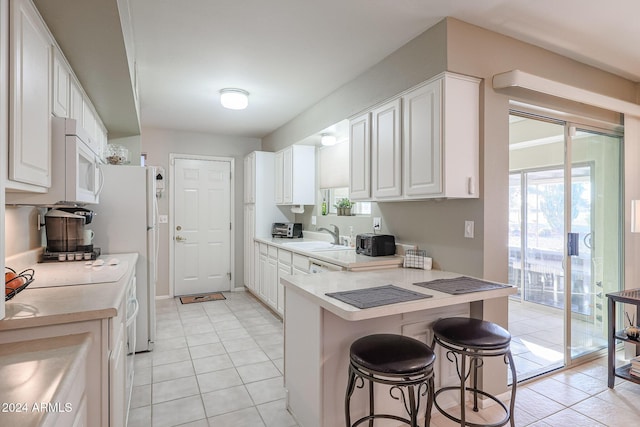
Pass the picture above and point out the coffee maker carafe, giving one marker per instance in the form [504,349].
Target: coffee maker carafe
[65,230]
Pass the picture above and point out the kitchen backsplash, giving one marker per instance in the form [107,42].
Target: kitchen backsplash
[21,229]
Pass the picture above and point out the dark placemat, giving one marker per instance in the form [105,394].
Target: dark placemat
[375,297]
[460,285]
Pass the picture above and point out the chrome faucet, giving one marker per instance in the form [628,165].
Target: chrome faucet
[335,233]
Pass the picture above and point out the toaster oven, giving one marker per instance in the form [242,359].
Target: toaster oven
[371,244]
[289,230]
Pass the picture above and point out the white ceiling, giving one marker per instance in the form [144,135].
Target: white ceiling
[291,53]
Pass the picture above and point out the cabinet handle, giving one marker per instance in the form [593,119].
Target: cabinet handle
[471,187]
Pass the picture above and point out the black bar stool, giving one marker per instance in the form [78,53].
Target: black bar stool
[475,339]
[395,360]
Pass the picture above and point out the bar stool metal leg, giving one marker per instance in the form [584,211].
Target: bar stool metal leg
[351,385]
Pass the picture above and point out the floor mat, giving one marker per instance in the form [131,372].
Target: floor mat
[202,298]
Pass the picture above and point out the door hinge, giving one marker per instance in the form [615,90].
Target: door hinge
[229,276]
[230,226]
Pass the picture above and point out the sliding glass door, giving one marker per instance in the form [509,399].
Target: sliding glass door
[564,239]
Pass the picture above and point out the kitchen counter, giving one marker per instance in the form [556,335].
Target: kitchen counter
[39,380]
[320,329]
[66,309]
[315,287]
[65,304]
[347,258]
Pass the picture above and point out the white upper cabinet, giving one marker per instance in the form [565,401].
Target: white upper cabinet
[42,85]
[422,170]
[424,143]
[279,177]
[76,102]
[61,82]
[295,175]
[386,151]
[360,158]
[441,138]
[30,99]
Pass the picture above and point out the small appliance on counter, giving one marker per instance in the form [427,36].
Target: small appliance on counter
[286,229]
[371,244]
[65,230]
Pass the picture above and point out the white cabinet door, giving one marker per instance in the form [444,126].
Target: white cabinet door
[283,270]
[287,175]
[422,141]
[249,233]
[386,151]
[61,85]
[117,379]
[262,273]
[279,177]
[76,103]
[30,95]
[296,175]
[271,282]
[360,158]
[249,178]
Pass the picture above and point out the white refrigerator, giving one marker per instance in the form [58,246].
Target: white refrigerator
[126,222]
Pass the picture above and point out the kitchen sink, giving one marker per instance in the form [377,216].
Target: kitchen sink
[315,246]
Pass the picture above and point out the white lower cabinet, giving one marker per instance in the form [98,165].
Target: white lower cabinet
[271,264]
[98,394]
[284,268]
[300,264]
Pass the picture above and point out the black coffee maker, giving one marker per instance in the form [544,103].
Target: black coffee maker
[65,230]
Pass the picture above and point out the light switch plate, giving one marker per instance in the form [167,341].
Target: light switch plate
[377,222]
[468,229]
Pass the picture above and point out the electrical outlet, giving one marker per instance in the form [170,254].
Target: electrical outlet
[468,229]
[163,219]
[377,223]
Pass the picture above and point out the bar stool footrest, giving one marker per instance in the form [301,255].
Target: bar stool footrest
[500,423]
[387,416]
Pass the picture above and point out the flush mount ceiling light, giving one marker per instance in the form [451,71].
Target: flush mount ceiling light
[327,139]
[234,99]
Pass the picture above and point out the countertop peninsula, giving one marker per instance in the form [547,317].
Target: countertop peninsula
[320,329]
[315,287]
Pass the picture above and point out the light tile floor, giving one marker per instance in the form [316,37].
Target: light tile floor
[220,364]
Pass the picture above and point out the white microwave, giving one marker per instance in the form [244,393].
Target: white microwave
[75,169]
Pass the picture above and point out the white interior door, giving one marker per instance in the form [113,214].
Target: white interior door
[202,234]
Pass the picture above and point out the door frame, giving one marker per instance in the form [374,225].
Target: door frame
[172,161]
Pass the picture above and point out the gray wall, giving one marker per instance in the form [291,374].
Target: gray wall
[158,144]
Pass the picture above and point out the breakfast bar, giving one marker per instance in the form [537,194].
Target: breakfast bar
[319,330]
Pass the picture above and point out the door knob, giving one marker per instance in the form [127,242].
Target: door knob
[181,239]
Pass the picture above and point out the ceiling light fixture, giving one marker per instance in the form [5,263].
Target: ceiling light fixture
[234,99]
[326,139]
